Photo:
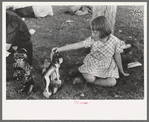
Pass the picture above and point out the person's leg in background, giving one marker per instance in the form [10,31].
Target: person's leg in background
[25,12]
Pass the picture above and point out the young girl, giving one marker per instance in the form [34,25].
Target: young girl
[102,63]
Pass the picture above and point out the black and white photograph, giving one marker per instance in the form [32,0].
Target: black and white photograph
[87,55]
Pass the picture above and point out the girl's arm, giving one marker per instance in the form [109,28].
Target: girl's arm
[118,60]
[73,46]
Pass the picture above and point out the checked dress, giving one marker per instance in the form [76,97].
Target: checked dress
[100,61]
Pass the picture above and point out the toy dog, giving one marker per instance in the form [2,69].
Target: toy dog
[22,70]
[50,74]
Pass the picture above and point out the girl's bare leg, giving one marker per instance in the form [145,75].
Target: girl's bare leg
[88,77]
[105,81]
[99,81]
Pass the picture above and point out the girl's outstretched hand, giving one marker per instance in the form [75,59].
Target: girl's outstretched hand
[55,49]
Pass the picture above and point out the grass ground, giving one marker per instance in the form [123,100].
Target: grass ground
[55,31]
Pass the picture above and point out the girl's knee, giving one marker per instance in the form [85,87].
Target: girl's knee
[112,81]
[88,77]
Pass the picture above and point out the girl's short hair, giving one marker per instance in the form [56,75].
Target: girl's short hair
[101,24]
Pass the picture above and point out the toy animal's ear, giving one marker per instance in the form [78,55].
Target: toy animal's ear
[46,63]
[60,60]
[15,47]
[24,50]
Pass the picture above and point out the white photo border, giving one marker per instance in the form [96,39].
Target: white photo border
[67,109]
